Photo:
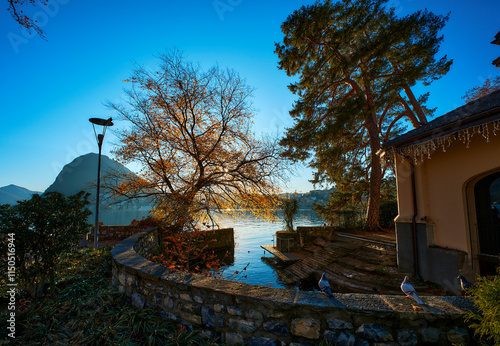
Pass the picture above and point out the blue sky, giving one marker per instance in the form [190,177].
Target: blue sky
[50,88]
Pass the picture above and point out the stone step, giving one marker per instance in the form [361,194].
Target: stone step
[352,264]
[374,257]
[339,282]
[379,244]
[373,281]
[382,268]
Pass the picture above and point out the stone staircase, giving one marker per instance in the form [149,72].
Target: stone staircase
[352,264]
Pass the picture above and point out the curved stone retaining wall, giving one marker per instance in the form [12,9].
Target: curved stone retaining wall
[238,313]
[114,232]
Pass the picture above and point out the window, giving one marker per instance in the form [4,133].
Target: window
[487,205]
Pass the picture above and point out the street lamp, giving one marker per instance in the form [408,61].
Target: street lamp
[104,123]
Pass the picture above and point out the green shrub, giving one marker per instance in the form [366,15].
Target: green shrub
[388,212]
[486,297]
[290,208]
[43,228]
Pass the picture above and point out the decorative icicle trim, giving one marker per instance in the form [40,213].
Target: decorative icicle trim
[422,150]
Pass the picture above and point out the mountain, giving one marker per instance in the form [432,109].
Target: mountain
[81,174]
[12,193]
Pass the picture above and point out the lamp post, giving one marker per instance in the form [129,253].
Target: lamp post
[99,137]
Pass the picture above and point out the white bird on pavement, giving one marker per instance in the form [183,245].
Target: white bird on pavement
[324,285]
[408,289]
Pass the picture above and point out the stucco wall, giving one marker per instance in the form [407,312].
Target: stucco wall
[237,313]
[440,185]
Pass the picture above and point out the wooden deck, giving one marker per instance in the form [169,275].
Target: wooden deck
[284,257]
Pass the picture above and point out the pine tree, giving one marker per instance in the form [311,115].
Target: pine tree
[356,64]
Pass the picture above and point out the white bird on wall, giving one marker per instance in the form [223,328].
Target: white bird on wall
[464,284]
[408,289]
[324,285]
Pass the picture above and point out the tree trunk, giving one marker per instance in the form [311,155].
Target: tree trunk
[372,213]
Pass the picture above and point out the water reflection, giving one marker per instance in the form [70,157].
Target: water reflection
[250,233]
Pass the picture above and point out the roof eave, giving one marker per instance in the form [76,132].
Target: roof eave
[477,120]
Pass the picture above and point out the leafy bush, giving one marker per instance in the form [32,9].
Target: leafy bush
[486,297]
[290,208]
[186,251]
[43,228]
[388,212]
[149,221]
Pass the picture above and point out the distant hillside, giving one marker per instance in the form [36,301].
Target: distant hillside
[12,193]
[306,199]
[81,174]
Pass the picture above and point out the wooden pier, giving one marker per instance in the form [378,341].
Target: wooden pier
[282,256]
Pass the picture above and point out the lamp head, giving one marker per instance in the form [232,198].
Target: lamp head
[102,122]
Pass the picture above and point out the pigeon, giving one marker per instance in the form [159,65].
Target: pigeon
[408,289]
[324,285]
[464,283]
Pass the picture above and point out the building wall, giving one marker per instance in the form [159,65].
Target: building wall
[436,264]
[441,188]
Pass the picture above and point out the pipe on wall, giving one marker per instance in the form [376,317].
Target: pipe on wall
[414,220]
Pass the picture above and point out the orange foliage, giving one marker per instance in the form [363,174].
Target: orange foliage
[187,251]
[486,88]
[190,133]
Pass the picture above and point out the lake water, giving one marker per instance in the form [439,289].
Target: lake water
[112,216]
[249,234]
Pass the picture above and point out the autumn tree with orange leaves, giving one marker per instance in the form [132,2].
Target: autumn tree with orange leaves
[190,132]
[489,85]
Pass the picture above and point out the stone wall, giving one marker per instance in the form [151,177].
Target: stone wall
[309,233]
[222,238]
[148,245]
[238,313]
[107,233]
[287,241]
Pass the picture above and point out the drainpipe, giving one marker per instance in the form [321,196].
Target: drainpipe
[414,220]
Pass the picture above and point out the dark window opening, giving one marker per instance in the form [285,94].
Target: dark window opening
[487,199]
